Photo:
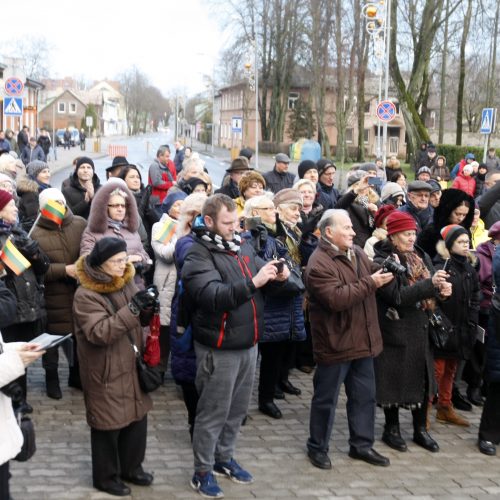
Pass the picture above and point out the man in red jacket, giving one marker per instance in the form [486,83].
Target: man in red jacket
[162,174]
[341,285]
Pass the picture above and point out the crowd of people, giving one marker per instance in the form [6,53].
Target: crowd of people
[347,285]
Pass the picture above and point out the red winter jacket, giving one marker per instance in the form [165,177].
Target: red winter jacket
[162,178]
[465,183]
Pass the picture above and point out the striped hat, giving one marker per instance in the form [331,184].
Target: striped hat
[450,233]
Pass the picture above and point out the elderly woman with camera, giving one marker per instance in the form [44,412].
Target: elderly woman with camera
[404,370]
[108,312]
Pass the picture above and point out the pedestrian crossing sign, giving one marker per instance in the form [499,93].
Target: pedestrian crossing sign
[13,106]
[487,120]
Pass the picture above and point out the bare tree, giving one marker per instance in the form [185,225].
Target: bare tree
[33,53]
[461,78]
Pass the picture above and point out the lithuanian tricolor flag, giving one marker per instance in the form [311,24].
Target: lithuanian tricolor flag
[167,231]
[13,258]
[54,211]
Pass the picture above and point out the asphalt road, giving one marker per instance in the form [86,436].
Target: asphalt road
[141,151]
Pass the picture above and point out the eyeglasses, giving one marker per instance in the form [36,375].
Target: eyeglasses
[117,205]
[265,208]
[118,262]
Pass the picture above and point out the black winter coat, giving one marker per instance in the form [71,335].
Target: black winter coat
[74,193]
[276,181]
[406,363]
[28,286]
[28,204]
[462,308]
[227,309]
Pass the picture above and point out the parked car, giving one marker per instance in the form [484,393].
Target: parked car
[75,136]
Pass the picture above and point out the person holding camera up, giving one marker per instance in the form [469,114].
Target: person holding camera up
[341,283]
[404,371]
[107,309]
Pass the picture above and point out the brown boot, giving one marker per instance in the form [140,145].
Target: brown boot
[447,414]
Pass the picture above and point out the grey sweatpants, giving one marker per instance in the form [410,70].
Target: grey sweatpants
[224,381]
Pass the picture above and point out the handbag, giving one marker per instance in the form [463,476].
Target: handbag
[29,443]
[149,376]
[441,332]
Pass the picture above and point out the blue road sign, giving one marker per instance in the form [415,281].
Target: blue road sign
[13,106]
[14,86]
[386,111]
[487,120]
[236,124]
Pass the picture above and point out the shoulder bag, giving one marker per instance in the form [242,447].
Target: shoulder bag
[441,332]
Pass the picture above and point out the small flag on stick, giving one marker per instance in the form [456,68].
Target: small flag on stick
[54,211]
[167,231]
[13,258]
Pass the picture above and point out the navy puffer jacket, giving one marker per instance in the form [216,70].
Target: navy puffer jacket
[283,316]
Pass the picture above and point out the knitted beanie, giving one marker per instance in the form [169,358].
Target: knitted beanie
[5,197]
[450,233]
[400,221]
[305,166]
[383,212]
[35,167]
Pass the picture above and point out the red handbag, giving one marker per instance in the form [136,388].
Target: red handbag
[152,349]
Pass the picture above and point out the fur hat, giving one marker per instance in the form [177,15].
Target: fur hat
[170,199]
[382,213]
[390,190]
[287,195]
[248,179]
[51,194]
[400,221]
[35,167]
[324,164]
[104,249]
[305,166]
[84,160]
[5,197]
[450,233]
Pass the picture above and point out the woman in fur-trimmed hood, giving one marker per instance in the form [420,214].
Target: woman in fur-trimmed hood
[455,207]
[104,318]
[114,213]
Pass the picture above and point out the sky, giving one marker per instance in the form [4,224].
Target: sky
[174,42]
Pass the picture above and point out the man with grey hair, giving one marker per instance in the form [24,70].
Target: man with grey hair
[341,284]
[162,174]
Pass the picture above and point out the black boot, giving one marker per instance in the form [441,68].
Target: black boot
[392,437]
[420,434]
[459,401]
[474,396]
[52,384]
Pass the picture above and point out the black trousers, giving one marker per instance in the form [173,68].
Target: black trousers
[358,376]
[274,366]
[489,427]
[4,481]
[164,346]
[419,416]
[118,453]
[304,355]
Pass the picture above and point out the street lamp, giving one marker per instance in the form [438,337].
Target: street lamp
[378,26]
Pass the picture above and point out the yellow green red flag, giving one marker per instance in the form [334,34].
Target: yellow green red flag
[167,231]
[13,258]
[54,211]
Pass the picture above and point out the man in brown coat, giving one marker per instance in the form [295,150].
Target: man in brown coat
[341,284]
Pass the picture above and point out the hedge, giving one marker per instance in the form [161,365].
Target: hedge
[454,154]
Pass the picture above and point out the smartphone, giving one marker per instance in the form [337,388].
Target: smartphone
[374,181]
[279,266]
[446,265]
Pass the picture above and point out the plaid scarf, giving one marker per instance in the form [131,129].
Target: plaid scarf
[417,271]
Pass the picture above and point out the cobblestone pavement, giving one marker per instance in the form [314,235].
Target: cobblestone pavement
[273,450]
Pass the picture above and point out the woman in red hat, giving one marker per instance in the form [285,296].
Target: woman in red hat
[404,370]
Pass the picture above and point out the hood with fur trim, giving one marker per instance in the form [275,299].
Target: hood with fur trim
[451,199]
[27,185]
[96,280]
[444,253]
[98,217]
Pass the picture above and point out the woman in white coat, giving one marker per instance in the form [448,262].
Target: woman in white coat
[14,357]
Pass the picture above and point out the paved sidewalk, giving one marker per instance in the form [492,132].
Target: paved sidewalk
[273,450]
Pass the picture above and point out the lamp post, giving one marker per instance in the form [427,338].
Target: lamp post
[378,26]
